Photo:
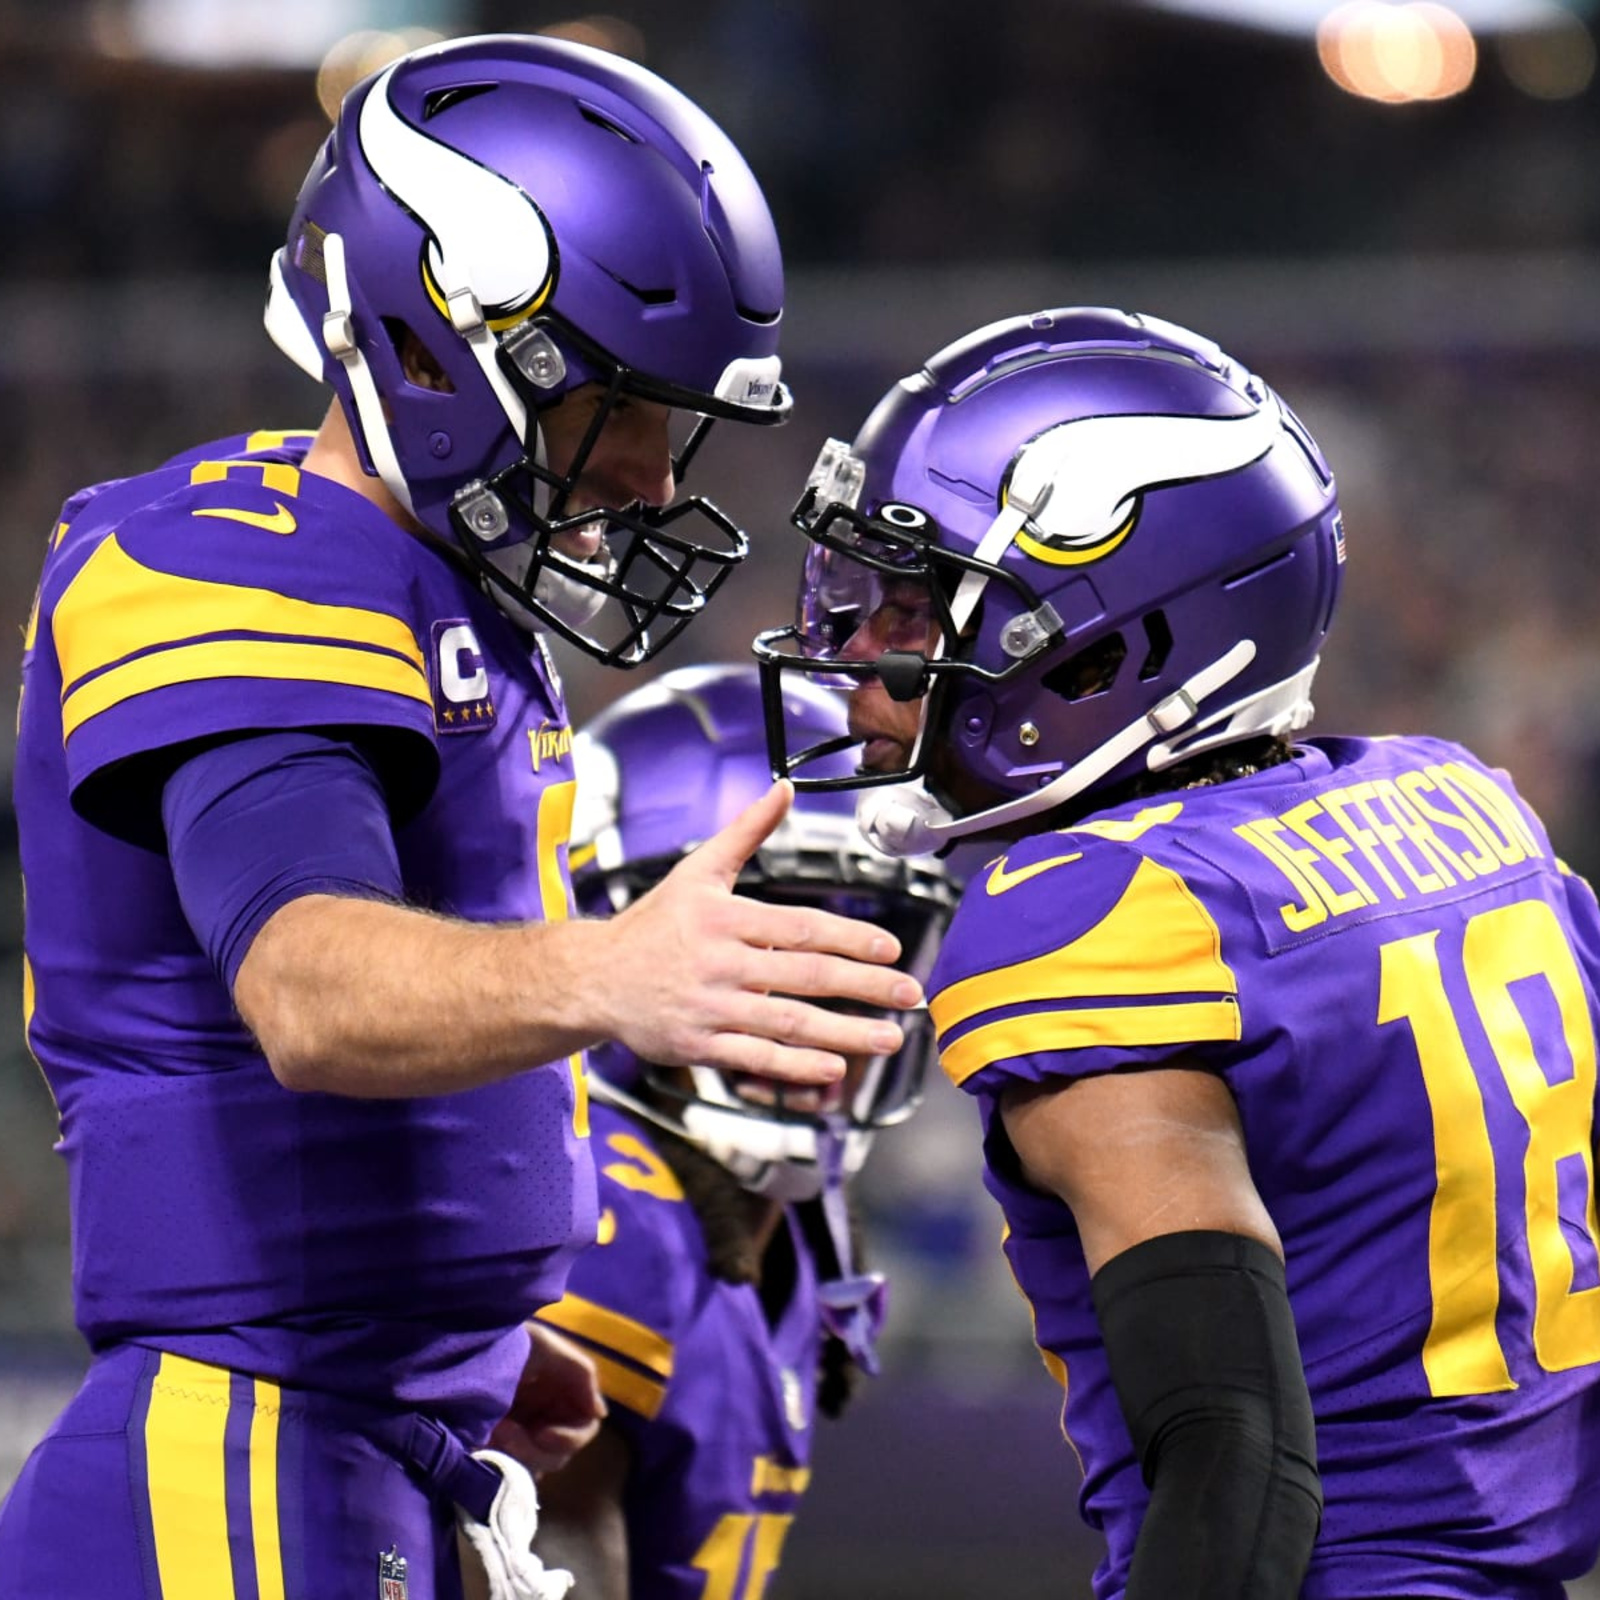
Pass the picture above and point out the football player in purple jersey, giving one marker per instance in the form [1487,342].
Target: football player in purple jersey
[1285,1047]
[723,1303]
[294,785]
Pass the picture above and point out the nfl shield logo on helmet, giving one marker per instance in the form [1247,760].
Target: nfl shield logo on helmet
[392,1576]
[1338,537]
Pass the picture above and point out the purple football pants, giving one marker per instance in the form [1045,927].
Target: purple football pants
[165,1479]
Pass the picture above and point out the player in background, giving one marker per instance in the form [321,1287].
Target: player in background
[724,1303]
[1285,1047]
[294,787]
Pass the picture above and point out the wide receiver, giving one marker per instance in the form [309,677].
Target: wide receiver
[294,785]
[725,1303]
[1285,1047]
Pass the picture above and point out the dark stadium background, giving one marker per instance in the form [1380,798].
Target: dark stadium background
[1422,279]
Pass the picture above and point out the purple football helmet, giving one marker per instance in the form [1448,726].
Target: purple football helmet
[538,216]
[659,772]
[1109,547]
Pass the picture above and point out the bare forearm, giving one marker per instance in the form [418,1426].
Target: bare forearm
[365,998]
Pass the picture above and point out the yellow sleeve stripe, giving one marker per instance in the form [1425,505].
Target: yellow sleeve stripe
[242,658]
[277,476]
[629,1388]
[601,1325]
[117,607]
[1186,1022]
[1157,939]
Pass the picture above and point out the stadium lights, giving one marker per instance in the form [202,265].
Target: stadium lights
[1554,63]
[1304,17]
[1419,50]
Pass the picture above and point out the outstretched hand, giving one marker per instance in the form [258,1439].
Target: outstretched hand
[707,977]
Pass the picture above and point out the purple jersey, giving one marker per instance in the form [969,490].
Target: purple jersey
[387,1249]
[716,1404]
[1376,949]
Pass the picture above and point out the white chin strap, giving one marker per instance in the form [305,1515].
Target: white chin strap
[572,602]
[905,820]
[339,338]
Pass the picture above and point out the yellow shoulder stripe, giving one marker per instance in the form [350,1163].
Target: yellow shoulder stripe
[1157,939]
[242,658]
[116,608]
[601,1325]
[1135,827]
[1185,1022]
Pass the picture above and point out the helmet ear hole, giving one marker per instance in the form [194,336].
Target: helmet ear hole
[1159,635]
[1093,670]
[417,362]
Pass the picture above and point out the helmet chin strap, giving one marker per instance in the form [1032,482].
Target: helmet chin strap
[905,820]
[339,336]
[575,603]
[854,1304]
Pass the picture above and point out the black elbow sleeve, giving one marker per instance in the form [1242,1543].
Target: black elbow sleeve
[1202,1350]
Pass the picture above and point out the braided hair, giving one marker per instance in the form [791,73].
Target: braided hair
[725,1211]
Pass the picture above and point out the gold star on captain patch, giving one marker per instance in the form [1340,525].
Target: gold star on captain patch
[449,716]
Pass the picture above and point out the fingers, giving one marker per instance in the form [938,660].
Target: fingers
[726,852]
[794,1024]
[828,977]
[759,1056]
[806,928]
[542,1449]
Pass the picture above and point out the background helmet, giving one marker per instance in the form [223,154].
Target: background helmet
[1130,546]
[659,772]
[539,215]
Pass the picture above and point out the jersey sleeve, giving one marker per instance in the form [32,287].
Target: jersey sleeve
[1074,955]
[232,606]
[630,1293]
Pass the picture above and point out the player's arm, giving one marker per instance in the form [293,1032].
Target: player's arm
[1194,1313]
[554,1429]
[286,868]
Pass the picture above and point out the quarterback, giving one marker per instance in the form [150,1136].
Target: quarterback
[724,1304]
[294,786]
[1284,1046]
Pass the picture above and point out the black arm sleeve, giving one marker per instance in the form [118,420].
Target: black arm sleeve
[1202,1350]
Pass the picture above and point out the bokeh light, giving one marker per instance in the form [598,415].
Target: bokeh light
[603,33]
[1397,53]
[359,54]
[1550,63]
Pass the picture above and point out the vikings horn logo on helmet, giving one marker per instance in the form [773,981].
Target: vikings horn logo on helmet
[1092,473]
[462,204]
